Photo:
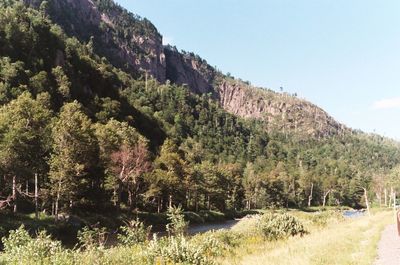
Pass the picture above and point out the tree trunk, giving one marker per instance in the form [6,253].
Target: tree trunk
[390,197]
[130,200]
[57,201]
[379,198]
[310,196]
[188,199]
[208,202]
[36,197]
[366,201]
[385,197]
[197,202]
[158,205]
[115,198]
[170,201]
[324,198]
[119,195]
[14,193]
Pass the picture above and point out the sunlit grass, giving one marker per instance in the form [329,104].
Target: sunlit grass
[348,242]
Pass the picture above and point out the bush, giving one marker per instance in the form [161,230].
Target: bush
[177,225]
[178,250]
[276,226]
[133,233]
[92,238]
[21,248]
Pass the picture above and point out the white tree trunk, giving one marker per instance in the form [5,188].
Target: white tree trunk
[366,201]
[14,193]
[324,198]
[36,197]
[311,194]
[57,201]
[385,197]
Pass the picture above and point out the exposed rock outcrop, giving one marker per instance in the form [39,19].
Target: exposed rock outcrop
[126,40]
[133,43]
[186,69]
[281,112]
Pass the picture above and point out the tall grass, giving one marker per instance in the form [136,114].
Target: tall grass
[272,238]
[349,242]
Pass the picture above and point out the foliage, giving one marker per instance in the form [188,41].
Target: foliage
[21,248]
[134,232]
[92,238]
[178,250]
[276,226]
[177,225]
[71,116]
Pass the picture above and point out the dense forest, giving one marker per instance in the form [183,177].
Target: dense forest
[95,137]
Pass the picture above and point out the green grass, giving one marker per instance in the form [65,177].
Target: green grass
[331,239]
[342,242]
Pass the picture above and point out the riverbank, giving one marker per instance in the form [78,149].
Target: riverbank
[272,237]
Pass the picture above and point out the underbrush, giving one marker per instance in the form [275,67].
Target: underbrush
[135,247]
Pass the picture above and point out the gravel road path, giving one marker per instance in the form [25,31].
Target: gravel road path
[195,229]
[389,247]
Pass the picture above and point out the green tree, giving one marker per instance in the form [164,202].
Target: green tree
[169,173]
[24,137]
[74,154]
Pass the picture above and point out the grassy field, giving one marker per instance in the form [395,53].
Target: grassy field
[350,241]
[269,238]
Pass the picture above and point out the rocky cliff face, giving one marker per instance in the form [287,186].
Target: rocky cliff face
[134,44]
[126,40]
[187,69]
[281,112]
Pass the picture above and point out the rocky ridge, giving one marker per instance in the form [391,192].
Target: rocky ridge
[134,44]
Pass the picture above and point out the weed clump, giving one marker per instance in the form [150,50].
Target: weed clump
[275,226]
[134,232]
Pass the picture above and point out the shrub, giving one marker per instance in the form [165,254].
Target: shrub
[177,250]
[21,248]
[177,225]
[275,226]
[324,218]
[134,232]
[92,238]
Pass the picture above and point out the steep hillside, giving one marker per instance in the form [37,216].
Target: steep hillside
[78,121]
[127,40]
[134,44]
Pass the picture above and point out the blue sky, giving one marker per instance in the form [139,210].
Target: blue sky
[343,55]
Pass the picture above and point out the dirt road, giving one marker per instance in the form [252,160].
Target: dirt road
[389,247]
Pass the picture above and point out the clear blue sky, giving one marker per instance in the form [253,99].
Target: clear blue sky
[343,55]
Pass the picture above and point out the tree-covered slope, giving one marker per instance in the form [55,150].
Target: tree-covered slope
[100,137]
[134,44]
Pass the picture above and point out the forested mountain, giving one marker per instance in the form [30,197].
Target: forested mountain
[108,118]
